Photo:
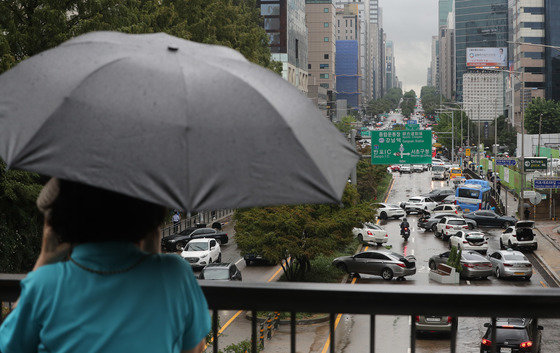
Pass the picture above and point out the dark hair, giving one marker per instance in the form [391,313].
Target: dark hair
[82,214]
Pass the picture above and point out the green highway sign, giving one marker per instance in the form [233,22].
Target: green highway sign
[535,163]
[366,133]
[401,147]
[412,127]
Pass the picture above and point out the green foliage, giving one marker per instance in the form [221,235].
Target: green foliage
[507,135]
[390,101]
[369,177]
[345,125]
[294,235]
[430,99]
[550,111]
[408,104]
[20,221]
[241,347]
[30,27]
[446,125]
[455,259]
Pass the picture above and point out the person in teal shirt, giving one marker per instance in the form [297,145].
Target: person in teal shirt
[100,285]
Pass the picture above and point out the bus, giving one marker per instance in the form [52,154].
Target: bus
[473,196]
[455,172]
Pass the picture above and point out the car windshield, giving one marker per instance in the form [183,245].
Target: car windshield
[511,334]
[216,273]
[393,206]
[197,246]
[415,200]
[515,258]
[475,237]
[456,222]
[468,193]
[438,168]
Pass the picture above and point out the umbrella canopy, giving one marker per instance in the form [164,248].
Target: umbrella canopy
[170,121]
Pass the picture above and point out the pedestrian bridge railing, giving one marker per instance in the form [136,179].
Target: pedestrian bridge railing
[362,299]
[207,217]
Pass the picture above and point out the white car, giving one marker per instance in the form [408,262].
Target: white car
[521,236]
[447,208]
[417,168]
[405,168]
[201,252]
[469,240]
[371,233]
[386,210]
[448,226]
[418,203]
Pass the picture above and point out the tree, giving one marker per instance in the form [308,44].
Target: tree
[507,135]
[294,235]
[550,111]
[369,176]
[408,103]
[345,125]
[430,99]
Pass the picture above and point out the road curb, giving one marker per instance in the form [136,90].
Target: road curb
[317,320]
[543,262]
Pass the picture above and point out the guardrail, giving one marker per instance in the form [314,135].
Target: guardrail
[207,217]
[357,299]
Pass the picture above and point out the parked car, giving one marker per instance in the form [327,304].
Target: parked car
[176,242]
[439,194]
[473,265]
[395,167]
[386,210]
[448,226]
[433,324]
[418,204]
[521,236]
[512,335]
[469,240]
[417,168]
[448,209]
[254,259]
[221,272]
[405,168]
[510,263]
[431,222]
[201,252]
[380,263]
[448,200]
[371,233]
[489,218]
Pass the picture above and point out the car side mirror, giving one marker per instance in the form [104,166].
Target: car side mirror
[212,247]
[487,324]
[540,327]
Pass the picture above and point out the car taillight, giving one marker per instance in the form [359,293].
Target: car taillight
[488,264]
[486,342]
[401,265]
[514,235]
[508,265]
[480,206]
[386,235]
[466,227]
[465,242]
[448,227]
[417,318]
[468,265]
[449,319]
[369,232]
[526,344]
[456,212]
[455,202]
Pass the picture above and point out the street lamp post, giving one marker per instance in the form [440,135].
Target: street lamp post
[478,138]
[453,137]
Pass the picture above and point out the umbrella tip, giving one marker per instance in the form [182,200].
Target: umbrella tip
[172,48]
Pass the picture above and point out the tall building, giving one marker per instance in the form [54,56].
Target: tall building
[444,8]
[284,23]
[529,27]
[321,49]
[390,65]
[552,56]
[434,61]
[483,95]
[478,24]
[348,72]
[372,50]
[429,77]
[446,60]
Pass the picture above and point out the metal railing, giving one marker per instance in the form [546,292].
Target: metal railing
[357,299]
[207,217]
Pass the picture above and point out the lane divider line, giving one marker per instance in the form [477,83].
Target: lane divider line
[543,284]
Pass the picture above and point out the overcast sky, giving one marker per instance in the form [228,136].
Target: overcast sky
[410,24]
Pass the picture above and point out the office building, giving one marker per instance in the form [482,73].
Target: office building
[434,62]
[348,72]
[483,95]
[444,8]
[321,49]
[284,23]
[446,59]
[390,65]
[552,56]
[478,24]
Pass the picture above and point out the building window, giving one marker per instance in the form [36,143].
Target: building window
[346,23]
[323,66]
[325,39]
[326,56]
[270,9]
[324,76]
[338,23]
[326,10]
[297,49]
[324,85]
[325,24]
[309,66]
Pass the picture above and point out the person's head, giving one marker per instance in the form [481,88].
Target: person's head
[501,51]
[404,219]
[80,213]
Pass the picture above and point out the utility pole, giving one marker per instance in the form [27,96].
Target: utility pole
[453,136]
[478,138]
[539,143]
[353,176]
[521,205]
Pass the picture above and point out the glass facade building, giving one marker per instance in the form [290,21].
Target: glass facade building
[552,56]
[478,24]
[444,8]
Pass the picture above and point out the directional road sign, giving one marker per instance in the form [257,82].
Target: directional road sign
[535,163]
[536,199]
[365,133]
[468,152]
[546,183]
[401,147]
[505,161]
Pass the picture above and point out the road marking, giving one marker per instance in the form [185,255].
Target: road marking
[468,282]
[543,284]
[412,252]
[238,261]
[413,239]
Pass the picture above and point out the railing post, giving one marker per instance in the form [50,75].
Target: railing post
[493,336]
[535,339]
[372,333]
[331,330]
[254,331]
[293,332]
[454,325]
[269,327]
[215,330]
[412,333]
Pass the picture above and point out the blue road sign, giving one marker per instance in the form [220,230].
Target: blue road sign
[413,121]
[546,183]
[505,161]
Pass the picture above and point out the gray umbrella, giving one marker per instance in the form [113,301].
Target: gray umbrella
[166,120]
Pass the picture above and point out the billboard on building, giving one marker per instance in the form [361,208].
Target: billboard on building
[487,57]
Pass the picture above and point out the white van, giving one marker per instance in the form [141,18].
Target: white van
[439,172]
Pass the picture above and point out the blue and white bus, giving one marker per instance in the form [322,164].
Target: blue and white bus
[474,195]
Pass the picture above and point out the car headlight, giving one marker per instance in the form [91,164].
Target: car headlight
[204,256]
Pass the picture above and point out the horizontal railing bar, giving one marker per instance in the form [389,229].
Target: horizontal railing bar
[357,299]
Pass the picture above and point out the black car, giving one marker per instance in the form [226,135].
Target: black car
[489,218]
[513,335]
[176,242]
[430,223]
[439,194]
[221,272]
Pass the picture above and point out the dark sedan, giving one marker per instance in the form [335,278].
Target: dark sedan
[386,264]
[439,194]
[489,218]
[430,223]
[473,265]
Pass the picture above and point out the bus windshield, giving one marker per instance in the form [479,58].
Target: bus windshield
[468,193]
[438,168]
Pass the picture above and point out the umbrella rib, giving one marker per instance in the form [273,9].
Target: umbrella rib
[187,179]
[20,156]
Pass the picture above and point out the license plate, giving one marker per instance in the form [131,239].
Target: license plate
[433,319]
[505,350]
[519,273]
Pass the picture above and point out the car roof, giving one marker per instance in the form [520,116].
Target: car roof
[218,266]
[473,255]
[510,252]
[449,218]
[201,240]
